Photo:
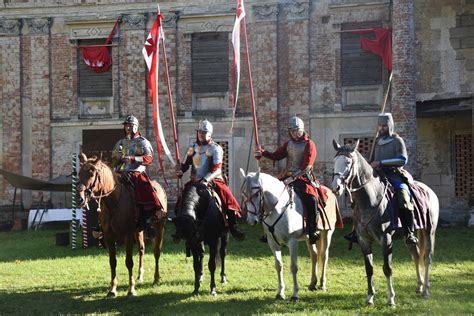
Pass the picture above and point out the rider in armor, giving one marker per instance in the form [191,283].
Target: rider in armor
[390,156]
[205,159]
[130,157]
[300,154]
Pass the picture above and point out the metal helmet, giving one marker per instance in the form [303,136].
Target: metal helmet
[130,119]
[387,119]
[296,123]
[205,126]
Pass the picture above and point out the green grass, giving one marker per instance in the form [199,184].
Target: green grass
[38,277]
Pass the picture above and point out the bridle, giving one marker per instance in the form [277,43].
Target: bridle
[89,191]
[347,178]
[263,214]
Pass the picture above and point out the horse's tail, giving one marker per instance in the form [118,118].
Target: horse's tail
[161,194]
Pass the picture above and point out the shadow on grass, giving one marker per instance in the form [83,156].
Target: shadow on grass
[453,244]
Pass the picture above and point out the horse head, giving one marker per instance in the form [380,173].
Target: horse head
[252,194]
[95,179]
[344,171]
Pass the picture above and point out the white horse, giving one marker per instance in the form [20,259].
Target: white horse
[372,219]
[280,210]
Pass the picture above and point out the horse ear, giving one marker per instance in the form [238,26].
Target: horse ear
[336,145]
[242,173]
[82,158]
[356,144]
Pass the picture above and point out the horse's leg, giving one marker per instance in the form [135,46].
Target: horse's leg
[110,243]
[369,269]
[212,265]
[129,264]
[198,254]
[139,238]
[313,254]
[415,255]
[279,269]
[223,253]
[387,246]
[293,247]
[323,254]
[429,242]
[158,243]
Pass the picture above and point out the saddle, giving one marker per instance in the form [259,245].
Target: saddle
[420,213]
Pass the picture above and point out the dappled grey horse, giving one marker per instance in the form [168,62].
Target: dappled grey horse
[372,219]
[280,210]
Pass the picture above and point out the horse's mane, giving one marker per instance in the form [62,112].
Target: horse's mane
[191,198]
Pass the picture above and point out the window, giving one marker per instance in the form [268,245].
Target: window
[361,71]
[463,162]
[92,84]
[210,62]
[365,144]
[95,90]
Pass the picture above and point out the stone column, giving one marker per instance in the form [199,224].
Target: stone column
[404,76]
[10,108]
[263,36]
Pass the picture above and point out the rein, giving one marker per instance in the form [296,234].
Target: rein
[98,198]
[350,190]
[261,211]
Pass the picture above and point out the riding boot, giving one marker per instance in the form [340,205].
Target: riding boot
[312,220]
[406,216]
[233,226]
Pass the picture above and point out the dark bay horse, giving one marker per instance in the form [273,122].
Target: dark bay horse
[372,218]
[118,217]
[199,221]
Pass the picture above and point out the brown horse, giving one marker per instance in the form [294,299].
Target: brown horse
[118,217]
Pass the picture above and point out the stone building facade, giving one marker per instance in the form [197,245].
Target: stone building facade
[305,60]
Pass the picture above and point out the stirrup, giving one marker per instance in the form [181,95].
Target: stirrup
[236,233]
[314,237]
[410,239]
[351,237]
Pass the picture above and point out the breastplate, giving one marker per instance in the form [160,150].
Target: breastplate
[295,155]
[201,161]
[136,147]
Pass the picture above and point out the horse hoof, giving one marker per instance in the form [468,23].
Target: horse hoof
[280,297]
[156,282]
[214,292]
[322,288]
[132,293]
[112,294]
[294,298]
[425,294]
[312,287]
[223,279]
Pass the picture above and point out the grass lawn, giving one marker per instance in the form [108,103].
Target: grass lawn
[38,277]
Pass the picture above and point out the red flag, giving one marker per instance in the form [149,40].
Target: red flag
[381,45]
[151,54]
[97,57]
[239,16]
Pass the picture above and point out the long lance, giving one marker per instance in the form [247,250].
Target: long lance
[382,110]
[252,98]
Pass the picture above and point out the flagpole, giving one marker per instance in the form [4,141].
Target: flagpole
[382,110]
[252,99]
[170,101]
